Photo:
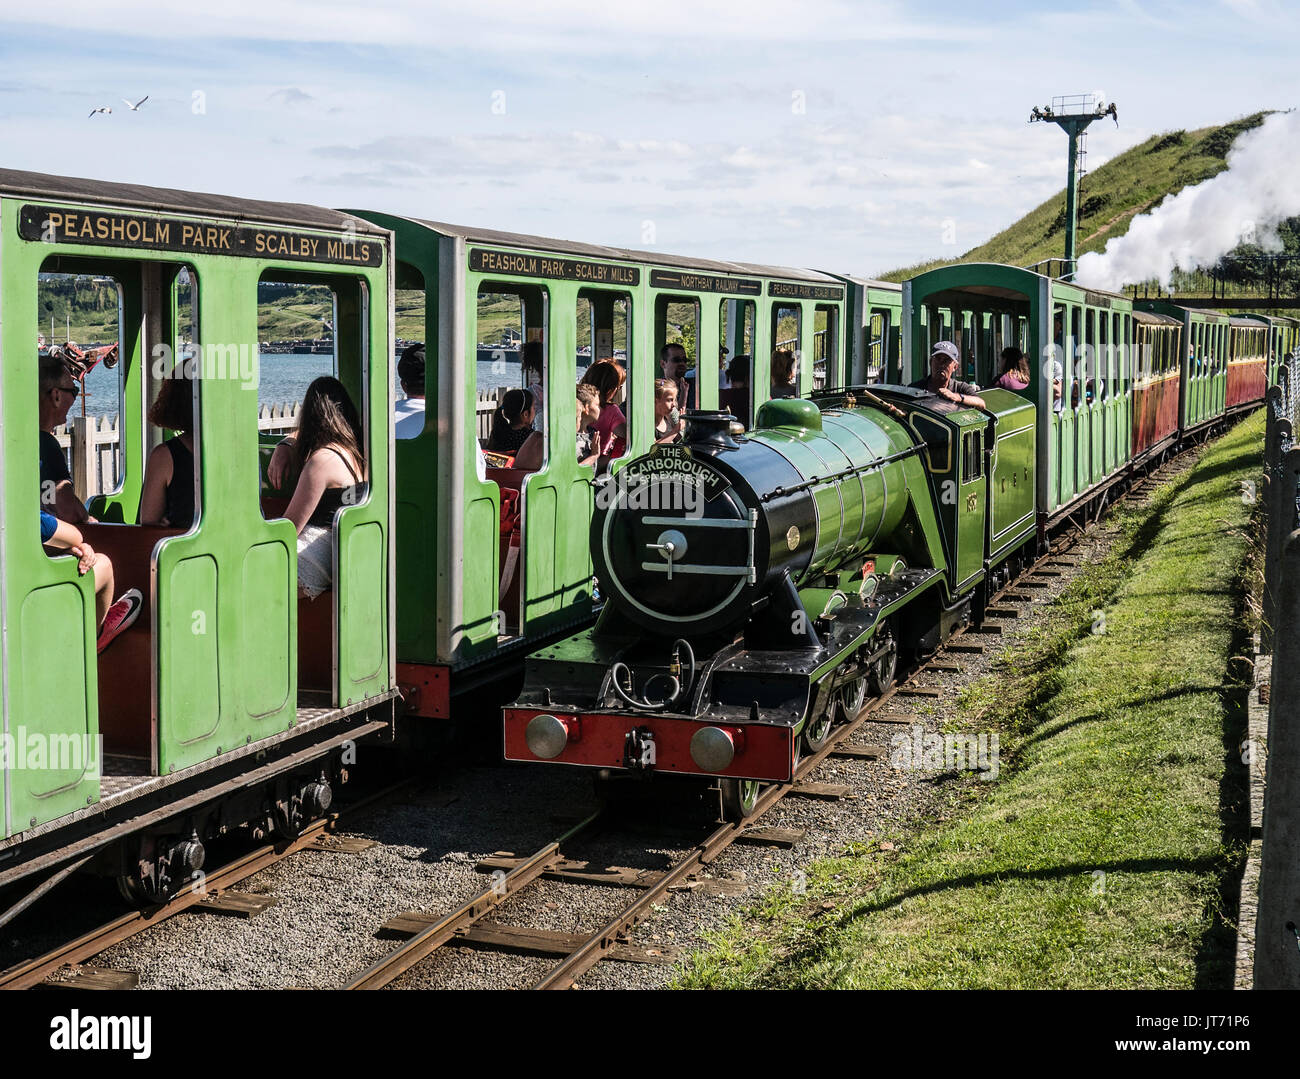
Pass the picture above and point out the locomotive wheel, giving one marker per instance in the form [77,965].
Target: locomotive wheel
[881,675]
[852,696]
[816,731]
[739,796]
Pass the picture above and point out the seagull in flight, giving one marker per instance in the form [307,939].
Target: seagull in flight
[102,108]
[136,106]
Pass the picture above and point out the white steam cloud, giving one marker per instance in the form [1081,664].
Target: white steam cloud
[1194,228]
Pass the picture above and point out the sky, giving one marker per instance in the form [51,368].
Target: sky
[847,137]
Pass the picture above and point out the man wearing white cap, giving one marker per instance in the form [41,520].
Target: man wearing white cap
[944,359]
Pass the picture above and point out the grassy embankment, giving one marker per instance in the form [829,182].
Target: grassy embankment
[1100,858]
[1129,184]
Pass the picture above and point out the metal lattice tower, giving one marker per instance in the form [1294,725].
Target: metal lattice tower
[1073,113]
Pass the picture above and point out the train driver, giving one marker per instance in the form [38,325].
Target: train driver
[944,360]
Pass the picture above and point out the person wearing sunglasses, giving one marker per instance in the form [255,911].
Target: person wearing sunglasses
[58,390]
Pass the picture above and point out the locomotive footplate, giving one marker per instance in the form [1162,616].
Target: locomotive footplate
[641,705]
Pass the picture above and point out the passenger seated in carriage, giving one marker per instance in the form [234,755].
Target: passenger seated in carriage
[168,495]
[588,416]
[111,618]
[669,424]
[953,394]
[607,377]
[1014,375]
[512,431]
[326,455]
[58,389]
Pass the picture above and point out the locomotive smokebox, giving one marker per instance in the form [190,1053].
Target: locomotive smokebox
[687,539]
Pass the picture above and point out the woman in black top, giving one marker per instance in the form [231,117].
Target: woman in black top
[168,496]
[512,426]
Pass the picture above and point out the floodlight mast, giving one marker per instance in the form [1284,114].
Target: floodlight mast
[1073,114]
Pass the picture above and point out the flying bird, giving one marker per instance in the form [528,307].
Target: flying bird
[136,106]
[102,108]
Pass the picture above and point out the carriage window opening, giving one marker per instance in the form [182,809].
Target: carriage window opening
[786,367]
[78,322]
[605,361]
[877,346]
[825,347]
[677,332]
[736,320]
[1075,366]
[170,489]
[1090,356]
[512,356]
[413,365]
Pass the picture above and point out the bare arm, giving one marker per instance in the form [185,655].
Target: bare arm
[157,475]
[306,495]
[280,467]
[530,453]
[67,506]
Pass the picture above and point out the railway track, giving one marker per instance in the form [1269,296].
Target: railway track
[511,876]
[66,957]
[611,939]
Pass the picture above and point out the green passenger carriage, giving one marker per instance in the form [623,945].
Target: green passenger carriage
[477,598]
[226,673]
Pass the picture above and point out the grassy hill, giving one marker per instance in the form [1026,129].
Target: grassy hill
[1127,185]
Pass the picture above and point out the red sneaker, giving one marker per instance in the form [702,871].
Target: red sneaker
[120,616]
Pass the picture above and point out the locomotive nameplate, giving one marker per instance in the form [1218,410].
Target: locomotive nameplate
[787,291]
[77,225]
[516,264]
[676,463]
[690,281]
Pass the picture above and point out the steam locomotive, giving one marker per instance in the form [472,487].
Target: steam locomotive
[759,585]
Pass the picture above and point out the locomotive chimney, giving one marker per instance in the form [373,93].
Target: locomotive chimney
[707,429]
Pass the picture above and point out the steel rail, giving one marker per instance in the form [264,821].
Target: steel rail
[34,971]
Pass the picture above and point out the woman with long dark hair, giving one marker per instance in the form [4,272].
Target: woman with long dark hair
[331,467]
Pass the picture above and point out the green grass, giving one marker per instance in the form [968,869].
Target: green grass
[1118,758]
[1127,185]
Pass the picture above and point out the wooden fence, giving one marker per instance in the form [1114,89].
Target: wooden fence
[1277,938]
[93,449]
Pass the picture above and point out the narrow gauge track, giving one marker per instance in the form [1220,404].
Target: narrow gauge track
[603,942]
[36,971]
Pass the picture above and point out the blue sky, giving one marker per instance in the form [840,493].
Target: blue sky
[847,136]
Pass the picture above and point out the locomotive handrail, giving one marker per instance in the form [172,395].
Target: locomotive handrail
[855,470]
